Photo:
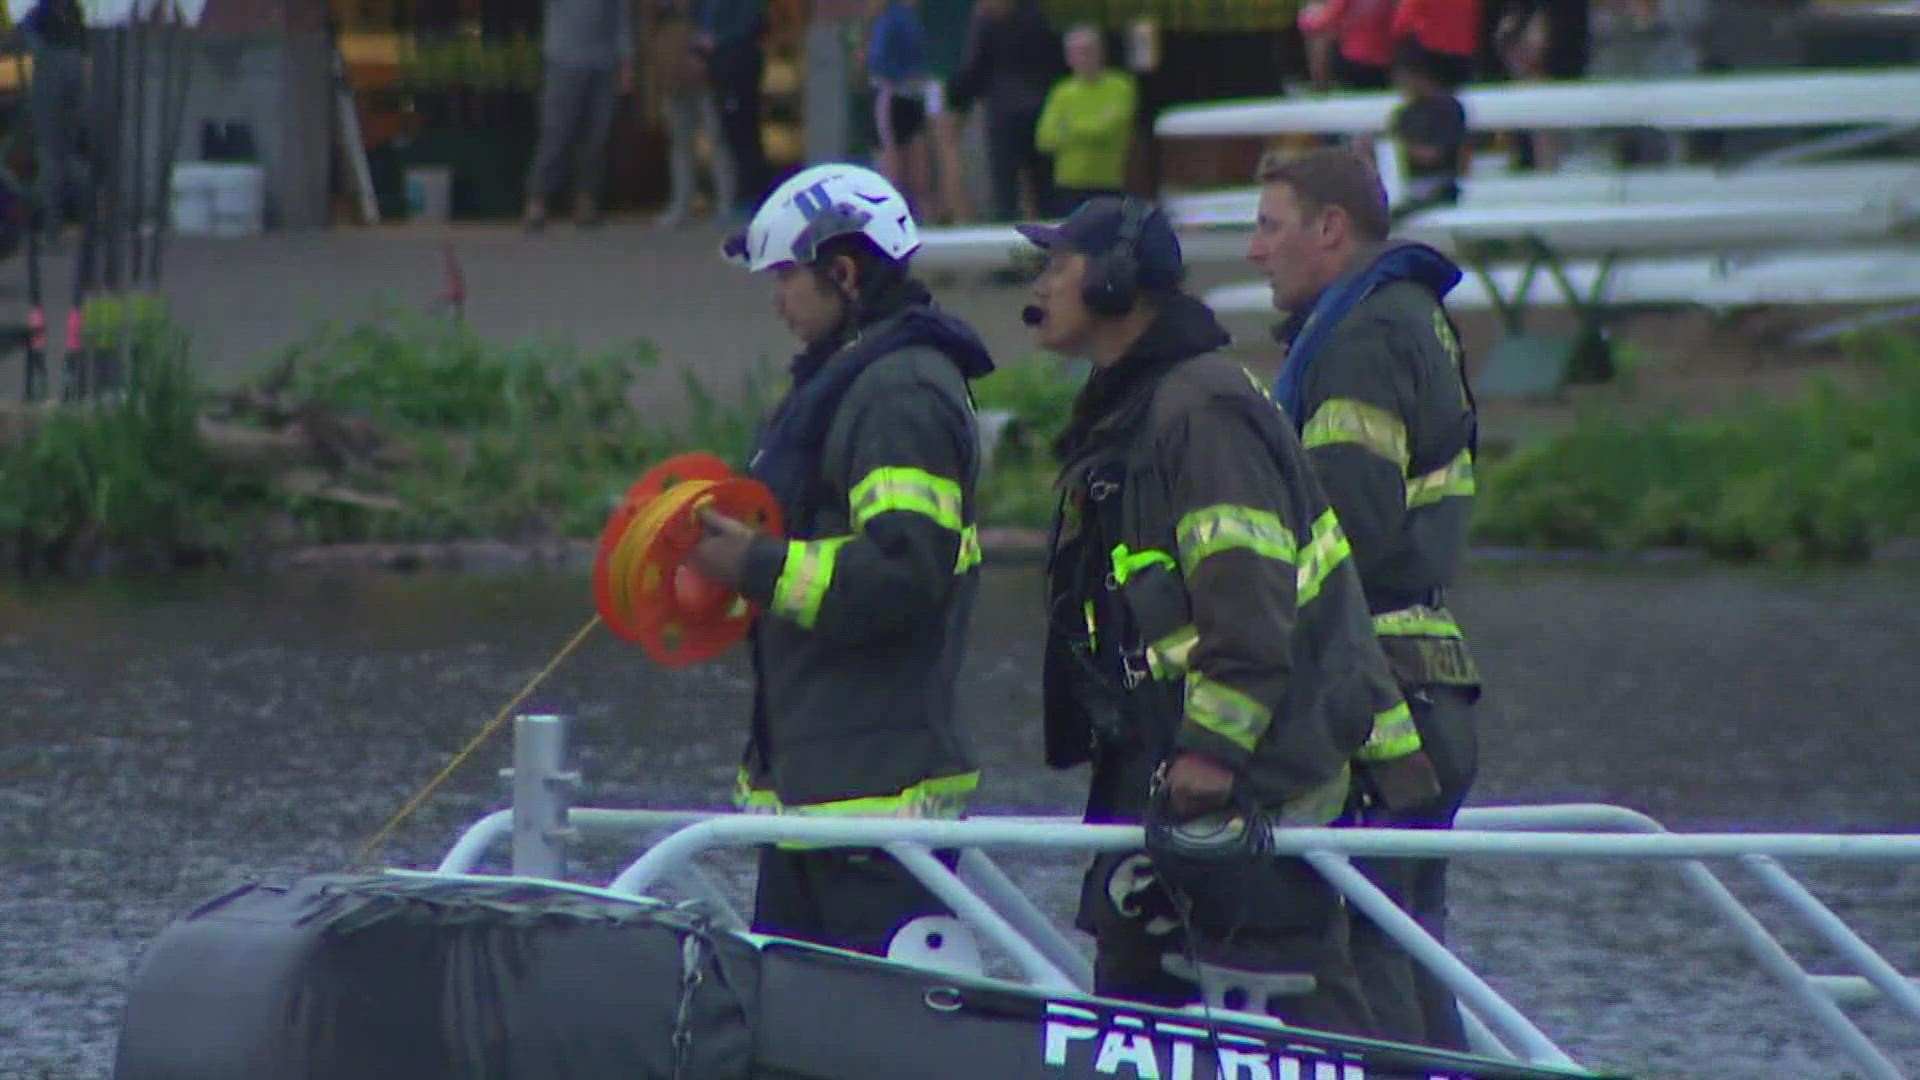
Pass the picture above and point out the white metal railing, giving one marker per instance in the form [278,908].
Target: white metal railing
[542,823]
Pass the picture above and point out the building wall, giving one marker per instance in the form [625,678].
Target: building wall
[264,63]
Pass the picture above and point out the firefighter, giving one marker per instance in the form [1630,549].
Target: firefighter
[1375,384]
[1209,651]
[873,456]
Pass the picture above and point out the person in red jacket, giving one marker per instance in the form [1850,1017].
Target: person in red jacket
[1449,30]
[1349,43]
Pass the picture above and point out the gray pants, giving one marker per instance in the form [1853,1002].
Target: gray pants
[688,111]
[576,118]
[59,112]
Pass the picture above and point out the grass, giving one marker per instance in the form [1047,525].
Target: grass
[517,441]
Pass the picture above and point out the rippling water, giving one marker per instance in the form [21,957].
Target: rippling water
[161,743]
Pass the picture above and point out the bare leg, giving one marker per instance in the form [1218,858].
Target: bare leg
[918,156]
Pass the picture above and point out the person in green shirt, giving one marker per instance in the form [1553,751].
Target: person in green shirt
[1087,124]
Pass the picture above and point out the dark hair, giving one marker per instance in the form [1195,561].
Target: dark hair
[1414,57]
[1333,176]
[875,271]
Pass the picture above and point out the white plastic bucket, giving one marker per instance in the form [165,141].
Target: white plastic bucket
[429,193]
[218,199]
[239,200]
[192,209]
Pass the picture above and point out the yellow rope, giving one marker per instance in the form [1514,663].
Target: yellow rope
[500,718]
[639,533]
[622,566]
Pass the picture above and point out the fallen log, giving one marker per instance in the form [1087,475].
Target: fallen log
[311,438]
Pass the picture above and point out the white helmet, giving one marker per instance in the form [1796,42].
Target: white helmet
[818,204]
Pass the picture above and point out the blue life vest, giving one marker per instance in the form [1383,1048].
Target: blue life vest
[786,456]
[1402,262]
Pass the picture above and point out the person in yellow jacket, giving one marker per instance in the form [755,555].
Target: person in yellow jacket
[1087,124]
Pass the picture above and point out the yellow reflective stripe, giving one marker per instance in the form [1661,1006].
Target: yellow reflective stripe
[1320,557]
[1167,658]
[969,556]
[753,800]
[1455,478]
[907,490]
[1418,621]
[804,579]
[1226,712]
[1345,420]
[1394,735]
[1320,805]
[1127,562]
[1212,529]
[942,797]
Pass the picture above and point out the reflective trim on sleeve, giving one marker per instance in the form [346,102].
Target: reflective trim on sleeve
[906,490]
[805,578]
[1226,712]
[1211,530]
[1321,556]
[1345,420]
[1394,736]
[1453,479]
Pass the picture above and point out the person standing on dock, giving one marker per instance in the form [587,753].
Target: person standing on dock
[873,455]
[1087,125]
[1375,383]
[588,50]
[1208,648]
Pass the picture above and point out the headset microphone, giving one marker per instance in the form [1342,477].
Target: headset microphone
[1033,315]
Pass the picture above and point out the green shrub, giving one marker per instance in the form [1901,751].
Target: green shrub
[128,474]
[1826,475]
[1037,394]
[531,440]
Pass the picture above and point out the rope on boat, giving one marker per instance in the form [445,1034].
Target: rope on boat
[643,589]
[474,744]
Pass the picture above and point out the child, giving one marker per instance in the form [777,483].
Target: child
[1431,127]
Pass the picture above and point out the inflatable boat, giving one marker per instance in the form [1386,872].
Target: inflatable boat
[403,974]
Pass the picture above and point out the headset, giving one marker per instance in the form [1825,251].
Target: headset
[1113,280]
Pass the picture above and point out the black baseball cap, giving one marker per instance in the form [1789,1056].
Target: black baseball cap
[1094,229]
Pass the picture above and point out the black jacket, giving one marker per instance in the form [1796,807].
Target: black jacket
[1201,590]
[867,603]
[1389,425]
[1011,63]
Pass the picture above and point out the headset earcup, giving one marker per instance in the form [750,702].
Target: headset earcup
[1110,286]
[1124,283]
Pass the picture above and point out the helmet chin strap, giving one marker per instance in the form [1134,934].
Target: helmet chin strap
[849,326]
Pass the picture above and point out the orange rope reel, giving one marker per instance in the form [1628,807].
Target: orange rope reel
[642,586]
